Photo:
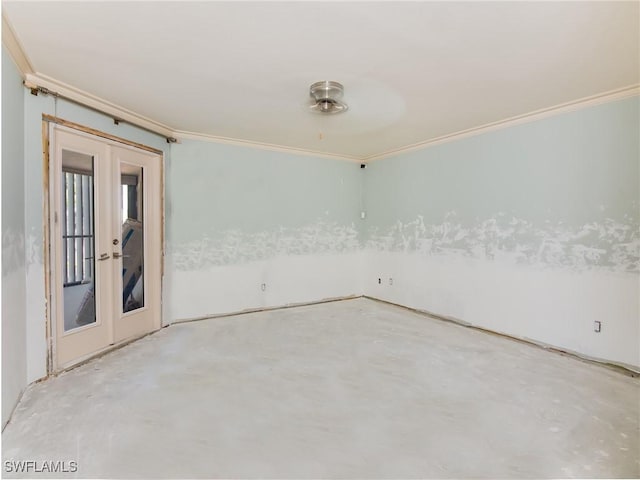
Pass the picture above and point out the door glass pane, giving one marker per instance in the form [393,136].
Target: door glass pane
[132,237]
[78,246]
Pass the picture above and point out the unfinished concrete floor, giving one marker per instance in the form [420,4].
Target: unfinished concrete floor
[352,389]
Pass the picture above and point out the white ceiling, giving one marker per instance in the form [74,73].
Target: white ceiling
[412,71]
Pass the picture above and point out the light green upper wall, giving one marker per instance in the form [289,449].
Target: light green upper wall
[215,187]
[570,181]
[14,375]
[563,168]
[12,166]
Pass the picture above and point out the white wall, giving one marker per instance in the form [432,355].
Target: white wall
[242,218]
[14,375]
[532,231]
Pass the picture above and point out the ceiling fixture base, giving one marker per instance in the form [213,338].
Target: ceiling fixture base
[327,97]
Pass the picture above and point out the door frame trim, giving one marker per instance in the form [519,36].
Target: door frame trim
[99,133]
[48,121]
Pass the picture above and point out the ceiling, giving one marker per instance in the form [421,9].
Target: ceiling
[412,71]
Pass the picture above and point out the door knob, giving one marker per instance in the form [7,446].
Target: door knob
[103,256]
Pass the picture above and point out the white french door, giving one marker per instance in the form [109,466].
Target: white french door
[105,241]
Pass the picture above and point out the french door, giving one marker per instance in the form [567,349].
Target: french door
[105,233]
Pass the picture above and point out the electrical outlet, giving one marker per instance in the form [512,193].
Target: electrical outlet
[263,287]
[597,326]
[379,281]
[390,281]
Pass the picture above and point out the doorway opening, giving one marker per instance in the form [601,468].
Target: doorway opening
[105,236]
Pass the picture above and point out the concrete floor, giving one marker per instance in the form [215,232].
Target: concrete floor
[338,390]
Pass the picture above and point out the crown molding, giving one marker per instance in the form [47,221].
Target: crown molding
[613,95]
[181,134]
[605,97]
[122,113]
[97,103]
[11,42]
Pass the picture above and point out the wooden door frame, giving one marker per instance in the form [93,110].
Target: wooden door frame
[48,122]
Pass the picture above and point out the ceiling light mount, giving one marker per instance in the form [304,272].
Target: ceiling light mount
[327,97]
